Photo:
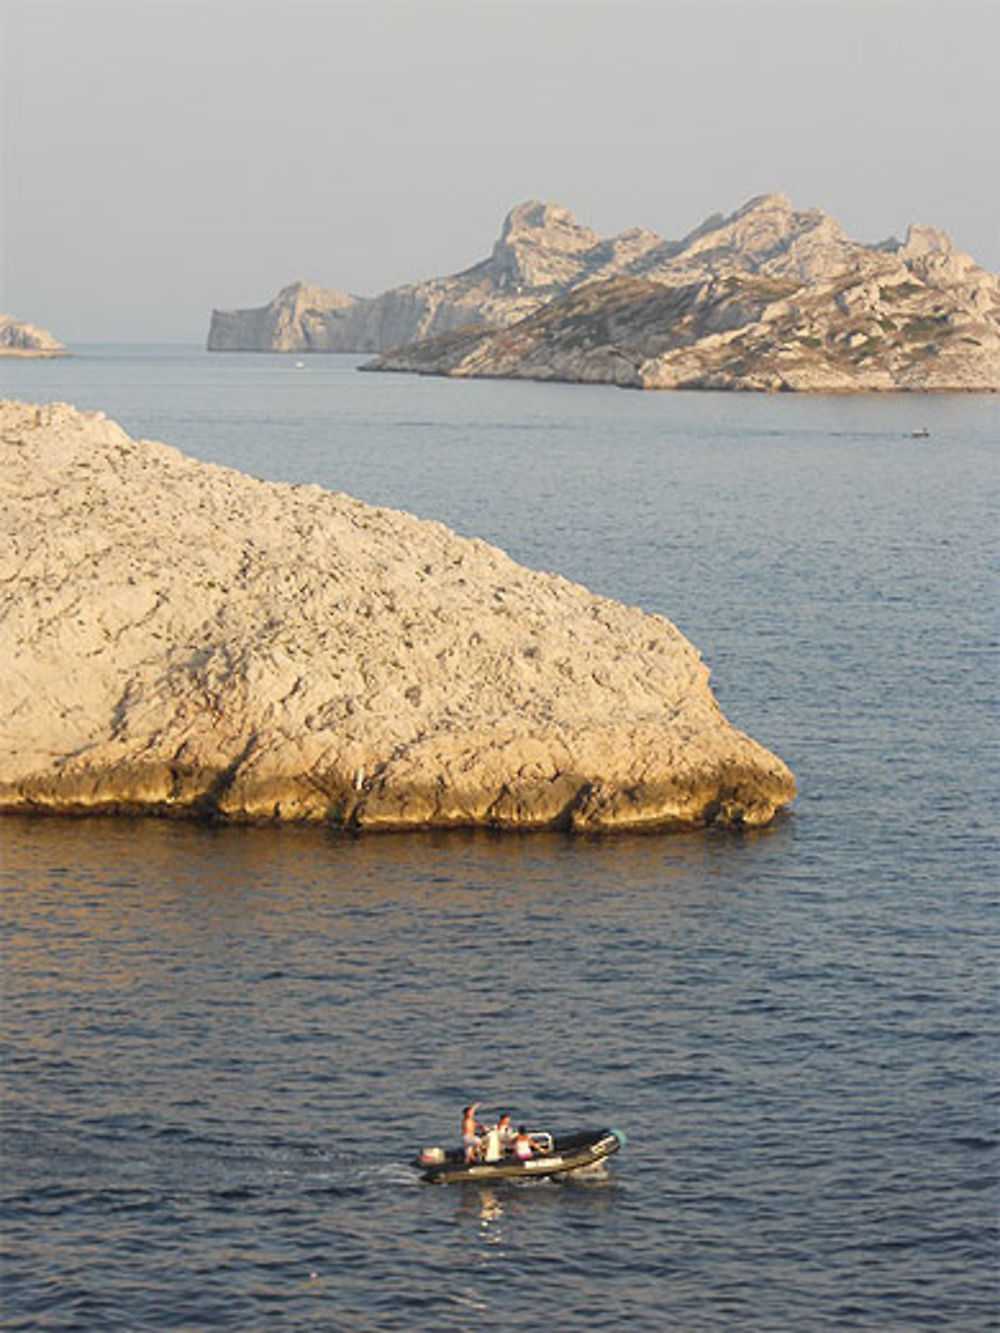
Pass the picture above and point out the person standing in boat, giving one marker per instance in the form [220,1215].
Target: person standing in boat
[471,1130]
[490,1144]
[497,1139]
[506,1131]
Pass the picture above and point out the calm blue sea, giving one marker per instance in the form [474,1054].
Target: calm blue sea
[223,1046]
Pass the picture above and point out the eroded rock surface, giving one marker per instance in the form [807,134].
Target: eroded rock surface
[769,299]
[179,638]
[541,250]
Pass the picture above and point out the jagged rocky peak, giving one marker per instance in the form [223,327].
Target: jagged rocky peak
[766,227]
[628,251]
[748,261]
[302,294]
[924,240]
[540,244]
[770,297]
[929,255]
[528,219]
[767,236]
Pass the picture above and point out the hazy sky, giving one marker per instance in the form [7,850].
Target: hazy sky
[161,157]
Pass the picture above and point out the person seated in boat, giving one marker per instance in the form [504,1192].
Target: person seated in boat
[471,1130]
[497,1139]
[525,1146]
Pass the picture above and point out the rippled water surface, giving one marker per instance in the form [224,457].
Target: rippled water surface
[223,1046]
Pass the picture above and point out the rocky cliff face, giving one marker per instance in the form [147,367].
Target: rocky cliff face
[541,250]
[771,297]
[767,299]
[181,639]
[297,320]
[20,339]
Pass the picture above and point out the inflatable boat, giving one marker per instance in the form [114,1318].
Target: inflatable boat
[580,1151]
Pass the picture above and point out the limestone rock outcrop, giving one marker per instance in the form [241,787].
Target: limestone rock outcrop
[297,320]
[179,638]
[768,299]
[541,251]
[20,339]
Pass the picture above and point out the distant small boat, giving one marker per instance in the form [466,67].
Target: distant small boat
[922,434]
[580,1152]
[300,365]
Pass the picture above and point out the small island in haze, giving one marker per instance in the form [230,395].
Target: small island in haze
[20,339]
[181,639]
[769,298]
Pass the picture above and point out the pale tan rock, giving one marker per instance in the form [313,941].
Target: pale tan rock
[179,638]
[541,250]
[295,321]
[769,299]
[20,339]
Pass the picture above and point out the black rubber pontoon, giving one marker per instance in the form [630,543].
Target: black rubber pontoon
[577,1150]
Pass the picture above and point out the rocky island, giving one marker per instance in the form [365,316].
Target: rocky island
[541,250]
[177,638]
[20,339]
[769,298]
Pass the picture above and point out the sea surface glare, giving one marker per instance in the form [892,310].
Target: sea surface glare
[223,1046]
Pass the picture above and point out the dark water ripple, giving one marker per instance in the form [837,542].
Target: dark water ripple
[215,1099]
[221,1047]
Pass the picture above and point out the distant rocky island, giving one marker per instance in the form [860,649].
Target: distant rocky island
[768,298]
[177,638]
[20,339]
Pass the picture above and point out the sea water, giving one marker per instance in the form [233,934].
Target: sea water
[224,1046]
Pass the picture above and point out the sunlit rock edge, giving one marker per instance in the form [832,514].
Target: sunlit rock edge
[178,638]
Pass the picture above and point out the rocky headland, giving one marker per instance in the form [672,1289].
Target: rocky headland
[541,250]
[20,339]
[771,297]
[178,638]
